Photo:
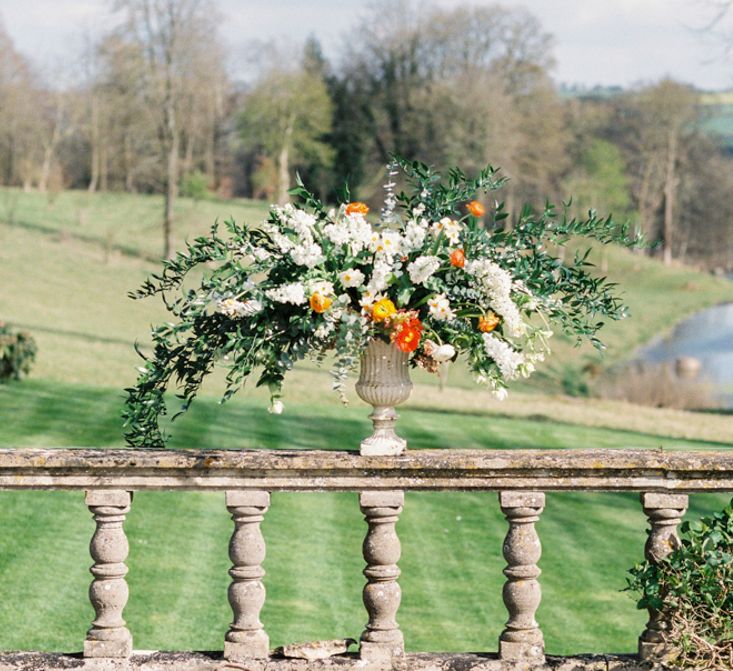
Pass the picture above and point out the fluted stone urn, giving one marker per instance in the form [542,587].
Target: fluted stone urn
[384,382]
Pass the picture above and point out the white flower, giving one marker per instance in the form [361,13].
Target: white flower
[288,293]
[337,233]
[324,330]
[414,237]
[276,407]
[440,308]
[233,308]
[500,393]
[322,287]
[251,307]
[418,209]
[369,297]
[387,242]
[507,359]
[451,228]
[351,277]
[496,284]
[303,222]
[381,275]
[422,268]
[283,243]
[308,255]
[440,353]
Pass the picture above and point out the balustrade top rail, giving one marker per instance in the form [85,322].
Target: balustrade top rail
[308,470]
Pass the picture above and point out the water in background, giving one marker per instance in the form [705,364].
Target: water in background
[707,336]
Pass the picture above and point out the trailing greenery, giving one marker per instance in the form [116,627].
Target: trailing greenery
[17,353]
[431,277]
[693,590]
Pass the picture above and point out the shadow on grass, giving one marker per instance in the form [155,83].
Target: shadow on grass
[80,335]
[545,419]
[63,233]
[53,414]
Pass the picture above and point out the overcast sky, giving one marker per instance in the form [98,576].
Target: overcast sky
[596,41]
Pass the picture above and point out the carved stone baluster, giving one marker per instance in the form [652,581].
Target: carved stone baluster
[664,512]
[522,638]
[108,636]
[382,638]
[246,638]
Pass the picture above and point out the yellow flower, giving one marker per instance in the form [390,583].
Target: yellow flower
[320,303]
[488,322]
[383,309]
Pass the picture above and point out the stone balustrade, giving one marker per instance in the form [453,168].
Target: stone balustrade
[521,478]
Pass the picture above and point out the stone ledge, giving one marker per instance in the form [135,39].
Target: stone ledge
[198,661]
[294,470]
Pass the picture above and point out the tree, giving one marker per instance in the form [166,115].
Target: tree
[173,39]
[467,85]
[286,117]
[20,120]
[659,124]
[599,181]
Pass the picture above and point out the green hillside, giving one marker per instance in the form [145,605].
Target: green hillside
[65,277]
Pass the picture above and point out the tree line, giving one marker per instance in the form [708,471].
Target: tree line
[152,107]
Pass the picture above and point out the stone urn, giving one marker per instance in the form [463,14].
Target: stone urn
[384,382]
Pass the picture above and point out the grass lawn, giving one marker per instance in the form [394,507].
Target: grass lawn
[65,269]
[451,562]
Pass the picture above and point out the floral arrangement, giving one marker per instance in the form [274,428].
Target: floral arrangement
[435,275]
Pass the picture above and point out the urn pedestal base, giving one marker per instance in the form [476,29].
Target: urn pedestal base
[384,440]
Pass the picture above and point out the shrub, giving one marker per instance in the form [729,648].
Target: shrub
[693,589]
[195,185]
[657,386]
[17,353]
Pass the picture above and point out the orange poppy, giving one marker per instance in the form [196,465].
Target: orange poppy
[488,322]
[458,258]
[409,335]
[476,208]
[357,207]
[320,303]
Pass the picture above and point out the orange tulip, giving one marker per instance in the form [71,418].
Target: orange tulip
[320,303]
[357,207]
[458,258]
[476,208]
[488,322]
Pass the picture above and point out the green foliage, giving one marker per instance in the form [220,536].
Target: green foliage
[574,380]
[195,185]
[600,180]
[693,589]
[17,353]
[286,117]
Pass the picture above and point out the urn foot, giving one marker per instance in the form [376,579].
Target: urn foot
[384,440]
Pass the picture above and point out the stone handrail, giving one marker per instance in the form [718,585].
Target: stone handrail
[315,470]
[521,479]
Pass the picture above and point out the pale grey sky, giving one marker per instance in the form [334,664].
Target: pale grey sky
[596,41]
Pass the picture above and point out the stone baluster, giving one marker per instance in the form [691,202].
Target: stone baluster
[664,512]
[522,637]
[246,638]
[382,638]
[108,636]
